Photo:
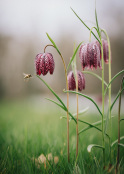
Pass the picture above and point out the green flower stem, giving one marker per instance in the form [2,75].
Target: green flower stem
[48,46]
[110,119]
[91,31]
[67,94]
[67,107]
[119,108]
[103,138]
[77,116]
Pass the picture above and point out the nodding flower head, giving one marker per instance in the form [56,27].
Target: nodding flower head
[72,83]
[44,62]
[105,50]
[90,56]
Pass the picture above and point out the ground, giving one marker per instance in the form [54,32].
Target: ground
[29,128]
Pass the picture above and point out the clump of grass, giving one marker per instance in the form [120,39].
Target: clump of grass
[26,132]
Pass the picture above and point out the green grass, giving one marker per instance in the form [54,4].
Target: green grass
[29,128]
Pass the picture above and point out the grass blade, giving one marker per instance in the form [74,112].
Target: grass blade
[53,43]
[89,98]
[52,91]
[84,24]
[113,79]
[89,148]
[94,74]
[73,56]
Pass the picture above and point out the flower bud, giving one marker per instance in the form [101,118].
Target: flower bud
[72,83]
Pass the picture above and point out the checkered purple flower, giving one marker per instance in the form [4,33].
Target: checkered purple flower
[72,83]
[89,54]
[105,50]
[44,62]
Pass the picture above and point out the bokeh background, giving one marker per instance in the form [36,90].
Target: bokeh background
[23,27]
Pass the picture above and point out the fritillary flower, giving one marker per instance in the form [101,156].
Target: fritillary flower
[105,50]
[72,83]
[44,62]
[89,54]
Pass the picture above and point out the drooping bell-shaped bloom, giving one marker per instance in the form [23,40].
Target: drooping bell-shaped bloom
[105,50]
[44,62]
[72,83]
[89,54]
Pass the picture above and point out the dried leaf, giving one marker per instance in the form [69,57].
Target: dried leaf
[42,159]
[56,159]
[50,157]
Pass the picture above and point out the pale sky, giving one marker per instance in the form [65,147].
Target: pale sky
[36,17]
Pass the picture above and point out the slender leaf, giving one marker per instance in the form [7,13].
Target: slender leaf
[119,93]
[56,104]
[73,64]
[122,145]
[94,74]
[85,122]
[64,108]
[89,98]
[81,112]
[89,148]
[53,43]
[73,56]
[94,124]
[90,125]
[113,80]
[122,119]
[52,91]
[84,24]
[97,22]
[116,141]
